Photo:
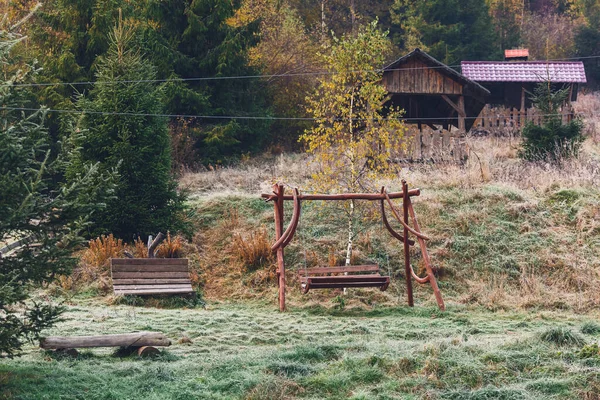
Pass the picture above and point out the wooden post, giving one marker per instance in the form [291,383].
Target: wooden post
[461,114]
[407,269]
[278,205]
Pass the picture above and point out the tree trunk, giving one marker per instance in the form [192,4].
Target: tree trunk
[138,339]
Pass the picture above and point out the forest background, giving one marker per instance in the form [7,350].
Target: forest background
[234,75]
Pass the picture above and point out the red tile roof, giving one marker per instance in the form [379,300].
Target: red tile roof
[515,53]
[524,71]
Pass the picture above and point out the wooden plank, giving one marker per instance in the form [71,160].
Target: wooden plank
[155,287]
[345,278]
[149,261]
[149,275]
[151,291]
[137,339]
[142,281]
[150,268]
[342,285]
[333,270]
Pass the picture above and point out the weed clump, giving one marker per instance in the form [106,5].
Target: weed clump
[590,351]
[562,337]
[590,328]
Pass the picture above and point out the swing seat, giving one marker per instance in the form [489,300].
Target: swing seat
[333,277]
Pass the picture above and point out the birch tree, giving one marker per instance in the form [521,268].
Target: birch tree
[354,131]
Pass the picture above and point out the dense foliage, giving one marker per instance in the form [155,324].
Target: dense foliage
[553,140]
[233,41]
[43,217]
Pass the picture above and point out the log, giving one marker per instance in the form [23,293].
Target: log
[148,351]
[137,339]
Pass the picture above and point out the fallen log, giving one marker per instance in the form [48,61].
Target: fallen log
[137,339]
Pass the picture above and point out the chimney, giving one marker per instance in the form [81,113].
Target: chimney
[516,55]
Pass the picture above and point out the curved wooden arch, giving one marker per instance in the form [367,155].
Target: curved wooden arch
[399,237]
[387,223]
[411,230]
[288,235]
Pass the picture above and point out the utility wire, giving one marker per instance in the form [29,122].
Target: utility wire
[260,76]
[243,117]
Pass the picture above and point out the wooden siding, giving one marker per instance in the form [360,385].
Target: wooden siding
[417,77]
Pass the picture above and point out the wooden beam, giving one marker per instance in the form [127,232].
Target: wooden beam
[344,196]
[138,339]
[407,267]
[460,110]
[278,206]
[461,114]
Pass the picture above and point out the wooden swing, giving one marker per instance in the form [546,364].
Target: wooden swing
[352,276]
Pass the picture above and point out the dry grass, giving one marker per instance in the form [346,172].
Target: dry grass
[171,247]
[94,262]
[253,249]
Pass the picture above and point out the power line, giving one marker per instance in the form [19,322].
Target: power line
[258,76]
[243,117]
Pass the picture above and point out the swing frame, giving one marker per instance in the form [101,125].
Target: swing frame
[283,238]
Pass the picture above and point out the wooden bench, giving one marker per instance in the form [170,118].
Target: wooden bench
[146,276]
[334,277]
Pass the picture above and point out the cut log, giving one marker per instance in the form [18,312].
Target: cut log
[137,339]
[148,351]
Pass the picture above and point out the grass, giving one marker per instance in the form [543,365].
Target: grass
[254,352]
[515,246]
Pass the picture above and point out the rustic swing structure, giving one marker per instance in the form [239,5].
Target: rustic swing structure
[352,276]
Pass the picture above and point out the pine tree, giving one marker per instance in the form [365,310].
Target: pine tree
[43,219]
[121,126]
[449,30]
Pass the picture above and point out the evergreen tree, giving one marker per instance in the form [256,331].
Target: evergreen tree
[449,30]
[43,219]
[121,126]
[553,140]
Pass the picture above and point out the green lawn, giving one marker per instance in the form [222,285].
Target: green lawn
[254,352]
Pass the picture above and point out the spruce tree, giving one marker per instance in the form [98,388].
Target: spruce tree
[122,126]
[40,220]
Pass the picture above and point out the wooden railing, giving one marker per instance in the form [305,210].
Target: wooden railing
[494,118]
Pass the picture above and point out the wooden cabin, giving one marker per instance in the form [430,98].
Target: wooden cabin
[509,82]
[431,93]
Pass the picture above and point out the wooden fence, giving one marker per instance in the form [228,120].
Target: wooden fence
[435,145]
[500,118]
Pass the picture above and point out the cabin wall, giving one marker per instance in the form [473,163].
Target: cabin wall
[416,77]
